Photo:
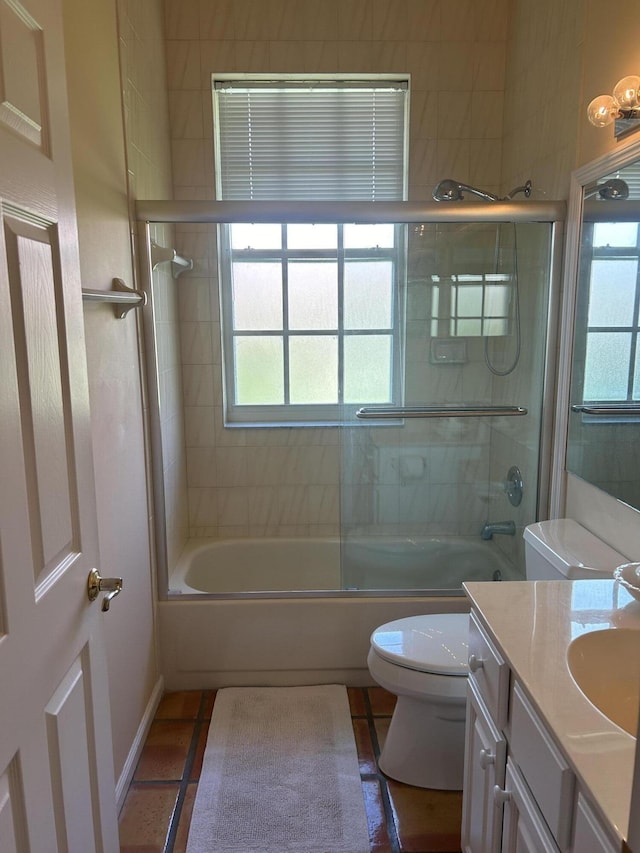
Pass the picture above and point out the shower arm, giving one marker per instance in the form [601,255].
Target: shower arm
[452,190]
[487,196]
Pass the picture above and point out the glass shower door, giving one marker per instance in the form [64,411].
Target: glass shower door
[418,488]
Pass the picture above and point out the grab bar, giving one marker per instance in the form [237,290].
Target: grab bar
[122,297]
[604,409]
[375,412]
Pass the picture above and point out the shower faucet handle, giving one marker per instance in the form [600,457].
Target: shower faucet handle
[514,486]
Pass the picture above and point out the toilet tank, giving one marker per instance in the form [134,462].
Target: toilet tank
[562,549]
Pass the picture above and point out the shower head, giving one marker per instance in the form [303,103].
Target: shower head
[614,189]
[450,190]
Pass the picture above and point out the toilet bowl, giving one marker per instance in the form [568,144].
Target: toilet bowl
[423,660]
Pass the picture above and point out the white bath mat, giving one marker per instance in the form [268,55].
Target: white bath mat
[280,774]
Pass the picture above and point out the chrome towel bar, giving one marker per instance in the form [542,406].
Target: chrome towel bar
[122,297]
[606,409]
[377,412]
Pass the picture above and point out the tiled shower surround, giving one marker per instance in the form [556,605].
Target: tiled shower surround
[286,481]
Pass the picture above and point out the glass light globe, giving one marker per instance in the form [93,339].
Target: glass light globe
[603,110]
[626,92]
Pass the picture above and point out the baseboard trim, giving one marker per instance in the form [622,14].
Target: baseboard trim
[138,742]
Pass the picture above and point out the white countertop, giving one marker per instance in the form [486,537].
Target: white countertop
[533,623]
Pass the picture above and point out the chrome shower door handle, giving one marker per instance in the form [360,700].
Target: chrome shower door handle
[97,584]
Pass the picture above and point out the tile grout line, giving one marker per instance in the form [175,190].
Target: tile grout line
[185,781]
[394,841]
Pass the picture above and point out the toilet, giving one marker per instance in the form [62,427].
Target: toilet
[423,660]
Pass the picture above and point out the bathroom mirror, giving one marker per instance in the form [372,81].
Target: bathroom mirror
[603,437]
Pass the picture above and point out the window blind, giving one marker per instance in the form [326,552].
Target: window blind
[319,140]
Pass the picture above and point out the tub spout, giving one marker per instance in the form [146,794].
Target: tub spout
[506,527]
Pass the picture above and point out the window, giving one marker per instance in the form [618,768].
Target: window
[311,313]
[612,346]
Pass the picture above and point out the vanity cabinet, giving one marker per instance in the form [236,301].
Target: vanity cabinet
[485,763]
[520,794]
[523,828]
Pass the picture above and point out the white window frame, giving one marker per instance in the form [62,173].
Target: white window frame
[288,414]
[316,414]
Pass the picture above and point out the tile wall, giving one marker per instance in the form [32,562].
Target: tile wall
[542,114]
[286,481]
[148,153]
[516,440]
[557,63]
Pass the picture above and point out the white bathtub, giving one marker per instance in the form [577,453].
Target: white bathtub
[240,566]
[256,624]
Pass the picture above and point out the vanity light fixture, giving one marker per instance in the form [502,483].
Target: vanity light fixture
[622,108]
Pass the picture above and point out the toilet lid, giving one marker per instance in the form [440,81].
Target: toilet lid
[437,643]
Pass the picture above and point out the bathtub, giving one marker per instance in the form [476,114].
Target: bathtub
[272,611]
[264,566]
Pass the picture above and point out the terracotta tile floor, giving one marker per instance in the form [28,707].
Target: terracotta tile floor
[157,810]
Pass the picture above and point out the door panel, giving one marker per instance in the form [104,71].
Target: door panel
[69,760]
[57,789]
[13,830]
[23,107]
[44,411]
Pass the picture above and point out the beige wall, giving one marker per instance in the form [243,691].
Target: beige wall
[454,50]
[505,128]
[552,46]
[146,116]
[603,67]
[542,102]
[580,48]
[113,365]
[560,55]
[286,481]
[544,59]
[610,53]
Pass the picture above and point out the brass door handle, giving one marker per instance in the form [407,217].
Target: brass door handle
[97,584]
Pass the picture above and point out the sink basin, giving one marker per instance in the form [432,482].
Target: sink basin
[606,667]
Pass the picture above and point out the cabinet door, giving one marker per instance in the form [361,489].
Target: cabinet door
[523,829]
[590,836]
[484,768]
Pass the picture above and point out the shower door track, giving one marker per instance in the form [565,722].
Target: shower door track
[225,212]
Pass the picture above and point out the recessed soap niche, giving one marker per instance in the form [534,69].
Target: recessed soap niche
[448,351]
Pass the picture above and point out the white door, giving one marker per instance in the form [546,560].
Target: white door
[56,766]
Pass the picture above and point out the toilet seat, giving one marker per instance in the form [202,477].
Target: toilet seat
[433,643]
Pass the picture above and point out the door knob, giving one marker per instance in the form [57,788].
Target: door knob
[97,584]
